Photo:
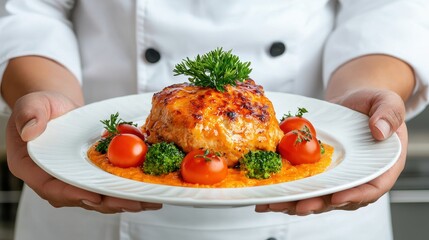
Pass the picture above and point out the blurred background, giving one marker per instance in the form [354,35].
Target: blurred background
[409,197]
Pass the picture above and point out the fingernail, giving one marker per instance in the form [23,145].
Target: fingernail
[89,203]
[261,211]
[307,213]
[152,208]
[29,124]
[156,207]
[384,127]
[128,210]
[341,205]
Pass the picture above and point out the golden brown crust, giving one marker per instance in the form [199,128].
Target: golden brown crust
[231,122]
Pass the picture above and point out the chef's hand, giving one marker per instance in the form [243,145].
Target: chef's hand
[386,113]
[29,118]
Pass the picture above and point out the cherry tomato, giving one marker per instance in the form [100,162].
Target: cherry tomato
[127,128]
[299,147]
[200,166]
[126,150]
[296,123]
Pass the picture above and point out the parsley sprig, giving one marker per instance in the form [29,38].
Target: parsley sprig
[303,135]
[111,126]
[206,155]
[299,113]
[215,69]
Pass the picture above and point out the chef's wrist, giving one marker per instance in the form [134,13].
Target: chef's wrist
[28,74]
[372,71]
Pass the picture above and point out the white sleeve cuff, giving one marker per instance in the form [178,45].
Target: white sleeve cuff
[34,34]
[38,35]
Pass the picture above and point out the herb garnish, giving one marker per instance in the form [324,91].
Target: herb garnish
[303,135]
[206,155]
[215,69]
[299,113]
[110,125]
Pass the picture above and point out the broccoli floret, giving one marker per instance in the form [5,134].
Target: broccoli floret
[162,158]
[261,164]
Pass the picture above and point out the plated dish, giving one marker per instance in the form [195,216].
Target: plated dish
[62,151]
[200,137]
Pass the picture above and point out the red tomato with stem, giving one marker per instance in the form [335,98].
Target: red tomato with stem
[299,147]
[291,122]
[126,150]
[297,123]
[202,167]
[127,128]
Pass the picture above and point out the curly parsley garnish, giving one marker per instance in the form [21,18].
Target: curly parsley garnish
[215,69]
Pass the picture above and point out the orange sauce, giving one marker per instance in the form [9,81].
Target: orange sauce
[235,178]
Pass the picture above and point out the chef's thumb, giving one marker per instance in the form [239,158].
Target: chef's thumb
[30,130]
[31,114]
[386,115]
[33,111]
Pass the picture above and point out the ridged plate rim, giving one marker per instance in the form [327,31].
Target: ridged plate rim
[358,158]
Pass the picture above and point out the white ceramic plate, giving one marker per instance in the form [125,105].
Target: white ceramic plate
[358,158]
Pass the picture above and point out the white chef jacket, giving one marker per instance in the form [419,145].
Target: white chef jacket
[123,47]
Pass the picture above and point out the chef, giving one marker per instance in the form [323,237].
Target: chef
[56,55]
